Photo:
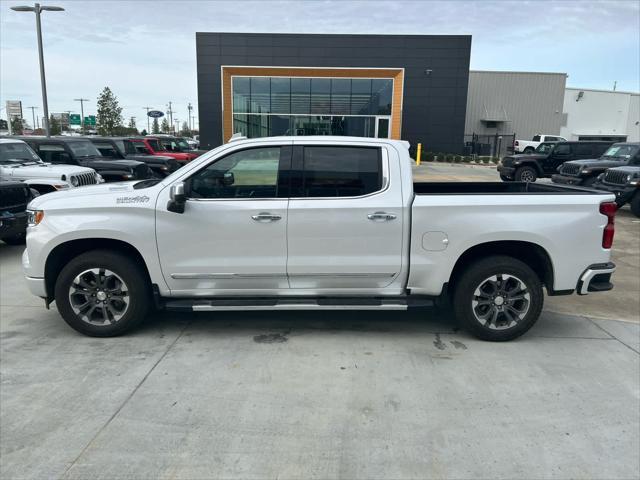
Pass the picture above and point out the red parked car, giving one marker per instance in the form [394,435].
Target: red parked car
[153,146]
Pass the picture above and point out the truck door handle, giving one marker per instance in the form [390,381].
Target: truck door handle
[266,217]
[381,216]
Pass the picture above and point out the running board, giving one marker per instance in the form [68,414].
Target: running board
[292,303]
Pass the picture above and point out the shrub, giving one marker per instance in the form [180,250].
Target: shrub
[457,159]
[495,160]
[439,157]
[486,159]
[429,157]
[467,159]
[450,157]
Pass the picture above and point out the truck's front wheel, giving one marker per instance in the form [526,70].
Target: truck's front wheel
[102,293]
[526,174]
[498,298]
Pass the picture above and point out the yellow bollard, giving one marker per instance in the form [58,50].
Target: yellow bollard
[419,154]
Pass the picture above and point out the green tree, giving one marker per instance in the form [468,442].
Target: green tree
[155,127]
[144,132]
[165,126]
[132,126]
[54,126]
[17,125]
[109,115]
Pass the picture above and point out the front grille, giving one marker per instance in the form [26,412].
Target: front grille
[616,177]
[143,171]
[14,199]
[86,179]
[570,169]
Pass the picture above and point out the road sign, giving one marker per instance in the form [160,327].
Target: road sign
[74,119]
[90,120]
[155,114]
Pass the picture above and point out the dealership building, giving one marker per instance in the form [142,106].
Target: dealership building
[412,87]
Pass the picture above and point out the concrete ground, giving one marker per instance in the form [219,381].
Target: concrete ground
[254,395]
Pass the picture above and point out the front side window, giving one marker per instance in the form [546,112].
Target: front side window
[562,149]
[545,148]
[340,171]
[106,149]
[249,173]
[155,144]
[53,153]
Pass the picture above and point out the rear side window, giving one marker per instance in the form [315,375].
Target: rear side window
[562,149]
[536,138]
[583,149]
[341,171]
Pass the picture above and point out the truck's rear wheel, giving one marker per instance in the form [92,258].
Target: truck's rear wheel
[635,204]
[498,298]
[526,174]
[102,293]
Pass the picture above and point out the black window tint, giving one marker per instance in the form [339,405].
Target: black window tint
[562,149]
[341,171]
[536,138]
[583,149]
[246,174]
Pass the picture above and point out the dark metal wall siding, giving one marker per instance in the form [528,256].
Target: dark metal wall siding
[434,106]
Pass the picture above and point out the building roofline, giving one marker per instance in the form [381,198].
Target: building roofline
[514,72]
[600,90]
[339,34]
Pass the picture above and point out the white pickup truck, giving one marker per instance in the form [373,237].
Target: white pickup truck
[529,146]
[323,223]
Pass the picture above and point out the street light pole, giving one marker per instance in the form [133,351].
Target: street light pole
[81,100]
[148,124]
[38,9]
[189,107]
[33,116]
[170,116]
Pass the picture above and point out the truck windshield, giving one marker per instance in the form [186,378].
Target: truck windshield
[545,148]
[621,152]
[83,148]
[17,153]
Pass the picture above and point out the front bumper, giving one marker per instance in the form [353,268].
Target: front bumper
[13,224]
[596,278]
[508,172]
[37,286]
[566,179]
[623,193]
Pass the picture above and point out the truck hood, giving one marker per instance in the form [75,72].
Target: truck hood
[596,163]
[104,164]
[43,170]
[627,169]
[150,158]
[115,190]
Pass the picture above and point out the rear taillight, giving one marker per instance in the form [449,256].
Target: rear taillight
[608,209]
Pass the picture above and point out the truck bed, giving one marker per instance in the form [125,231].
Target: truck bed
[499,188]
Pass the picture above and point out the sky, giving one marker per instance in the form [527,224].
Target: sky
[145,51]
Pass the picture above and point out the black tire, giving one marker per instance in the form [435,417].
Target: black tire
[528,150]
[635,204]
[588,182]
[16,239]
[128,271]
[504,178]
[526,174]
[508,271]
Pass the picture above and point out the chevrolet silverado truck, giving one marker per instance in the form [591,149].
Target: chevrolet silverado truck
[528,146]
[19,162]
[624,183]
[122,148]
[546,159]
[81,152]
[315,223]
[586,172]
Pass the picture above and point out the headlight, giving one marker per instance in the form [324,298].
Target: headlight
[585,171]
[34,217]
[164,167]
[633,180]
[127,176]
[99,178]
[74,181]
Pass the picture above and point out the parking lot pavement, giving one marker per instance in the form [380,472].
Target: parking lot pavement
[304,394]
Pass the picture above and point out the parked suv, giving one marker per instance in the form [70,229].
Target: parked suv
[546,159]
[154,146]
[19,162]
[585,172]
[624,182]
[120,148]
[14,197]
[80,151]
[528,146]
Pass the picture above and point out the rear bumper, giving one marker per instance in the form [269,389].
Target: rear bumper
[566,179]
[596,278]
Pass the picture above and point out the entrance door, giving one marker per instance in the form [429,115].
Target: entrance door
[383,127]
[232,234]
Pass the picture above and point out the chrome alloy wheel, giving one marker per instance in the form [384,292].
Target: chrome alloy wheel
[99,296]
[527,176]
[501,301]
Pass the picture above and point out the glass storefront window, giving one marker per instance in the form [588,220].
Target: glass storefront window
[241,94]
[360,96]
[382,90]
[260,95]
[321,95]
[341,96]
[280,95]
[300,95]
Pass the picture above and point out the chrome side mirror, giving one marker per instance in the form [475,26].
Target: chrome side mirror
[177,198]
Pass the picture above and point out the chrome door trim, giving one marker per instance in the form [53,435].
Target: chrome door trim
[342,275]
[295,306]
[223,276]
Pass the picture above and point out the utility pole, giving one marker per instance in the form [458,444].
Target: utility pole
[148,124]
[68,112]
[170,112]
[81,100]
[615,84]
[189,107]
[33,115]
[38,9]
